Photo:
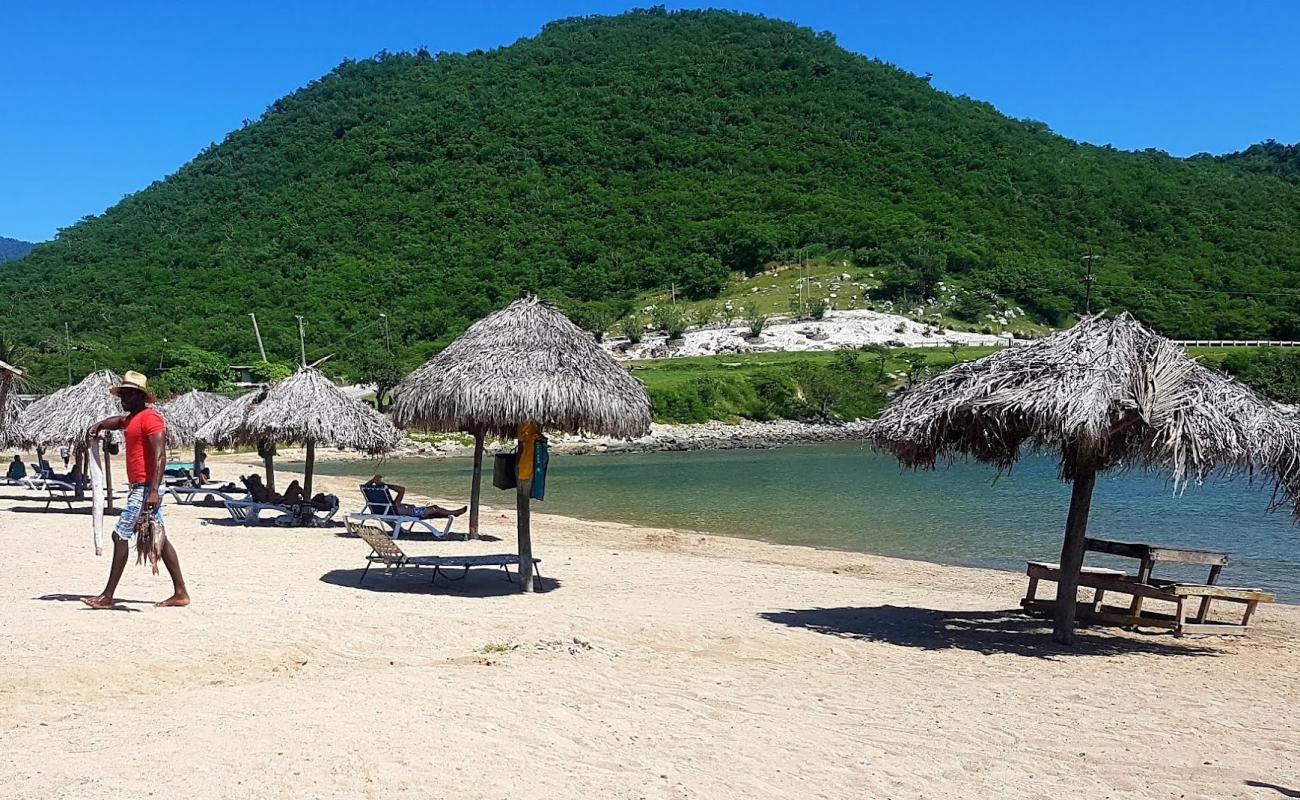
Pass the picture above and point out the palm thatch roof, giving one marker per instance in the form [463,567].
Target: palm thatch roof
[186,414]
[63,417]
[10,436]
[525,363]
[9,407]
[226,427]
[1106,393]
[307,408]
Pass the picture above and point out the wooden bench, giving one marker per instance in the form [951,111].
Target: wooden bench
[1102,580]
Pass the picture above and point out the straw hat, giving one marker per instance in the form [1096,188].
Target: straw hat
[134,380]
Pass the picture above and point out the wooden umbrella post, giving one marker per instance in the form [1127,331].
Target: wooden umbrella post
[476,486]
[195,464]
[310,470]
[523,507]
[1076,529]
[268,461]
[81,465]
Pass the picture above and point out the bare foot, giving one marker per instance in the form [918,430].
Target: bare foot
[99,601]
[175,601]
[457,512]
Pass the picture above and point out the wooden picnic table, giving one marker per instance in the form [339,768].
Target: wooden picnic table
[1148,555]
[1144,587]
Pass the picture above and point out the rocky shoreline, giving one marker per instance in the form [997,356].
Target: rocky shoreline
[662,438]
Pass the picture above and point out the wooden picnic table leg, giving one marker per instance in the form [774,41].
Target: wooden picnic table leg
[1204,610]
[1144,575]
[1032,591]
[1250,609]
[1180,616]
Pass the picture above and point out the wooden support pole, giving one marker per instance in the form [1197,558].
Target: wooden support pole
[477,485]
[108,476]
[1076,529]
[268,461]
[80,465]
[310,470]
[523,503]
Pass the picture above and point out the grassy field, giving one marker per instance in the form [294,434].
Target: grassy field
[785,288]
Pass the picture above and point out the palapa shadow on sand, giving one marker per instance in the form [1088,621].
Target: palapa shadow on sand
[62,509]
[77,598]
[483,582]
[987,632]
[1279,789]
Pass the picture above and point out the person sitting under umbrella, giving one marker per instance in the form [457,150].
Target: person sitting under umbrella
[408,510]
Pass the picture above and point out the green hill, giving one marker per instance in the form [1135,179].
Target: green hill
[606,157]
[13,248]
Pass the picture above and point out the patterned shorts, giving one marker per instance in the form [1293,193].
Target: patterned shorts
[135,496]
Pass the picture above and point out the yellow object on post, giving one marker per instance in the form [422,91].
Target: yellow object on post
[528,436]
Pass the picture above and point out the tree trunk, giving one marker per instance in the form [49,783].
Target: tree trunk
[477,486]
[310,469]
[1076,528]
[523,500]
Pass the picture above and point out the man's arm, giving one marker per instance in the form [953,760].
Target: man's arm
[110,424]
[155,453]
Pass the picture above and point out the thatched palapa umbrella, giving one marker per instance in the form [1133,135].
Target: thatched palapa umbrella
[63,417]
[308,409]
[526,365]
[186,414]
[226,429]
[1106,393]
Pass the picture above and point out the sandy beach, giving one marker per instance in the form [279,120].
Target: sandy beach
[655,665]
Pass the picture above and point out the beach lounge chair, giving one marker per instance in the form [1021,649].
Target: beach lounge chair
[54,489]
[381,507]
[187,495]
[384,550]
[250,512]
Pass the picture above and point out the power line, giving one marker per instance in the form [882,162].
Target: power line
[1155,289]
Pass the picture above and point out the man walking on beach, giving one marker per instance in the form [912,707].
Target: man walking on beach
[146,458]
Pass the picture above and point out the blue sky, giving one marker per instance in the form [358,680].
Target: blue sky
[100,99]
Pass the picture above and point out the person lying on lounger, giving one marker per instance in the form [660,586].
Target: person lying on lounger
[408,510]
[293,495]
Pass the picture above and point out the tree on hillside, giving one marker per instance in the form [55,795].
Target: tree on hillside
[383,370]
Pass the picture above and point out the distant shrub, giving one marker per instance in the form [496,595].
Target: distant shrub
[630,327]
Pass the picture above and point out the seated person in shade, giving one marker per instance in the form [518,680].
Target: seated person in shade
[17,471]
[258,491]
[408,510]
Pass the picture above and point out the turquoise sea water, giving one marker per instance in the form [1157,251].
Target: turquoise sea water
[845,496]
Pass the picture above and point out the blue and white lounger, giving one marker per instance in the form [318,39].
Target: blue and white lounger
[381,507]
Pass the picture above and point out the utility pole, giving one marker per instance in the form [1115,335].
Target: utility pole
[302,340]
[258,333]
[1088,280]
[67,339]
[388,344]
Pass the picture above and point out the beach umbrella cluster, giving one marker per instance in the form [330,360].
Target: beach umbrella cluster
[1105,394]
[525,365]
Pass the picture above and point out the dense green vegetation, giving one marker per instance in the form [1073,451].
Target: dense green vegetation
[11,249]
[809,386]
[608,157]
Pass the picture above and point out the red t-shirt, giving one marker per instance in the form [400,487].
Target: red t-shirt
[139,427]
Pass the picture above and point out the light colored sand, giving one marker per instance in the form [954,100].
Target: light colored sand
[662,665]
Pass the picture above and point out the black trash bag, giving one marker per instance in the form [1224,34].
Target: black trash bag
[503,470]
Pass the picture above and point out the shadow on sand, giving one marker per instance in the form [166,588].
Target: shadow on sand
[987,632]
[77,598]
[483,582]
[1284,792]
[59,508]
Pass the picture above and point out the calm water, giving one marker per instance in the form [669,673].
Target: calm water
[845,496]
